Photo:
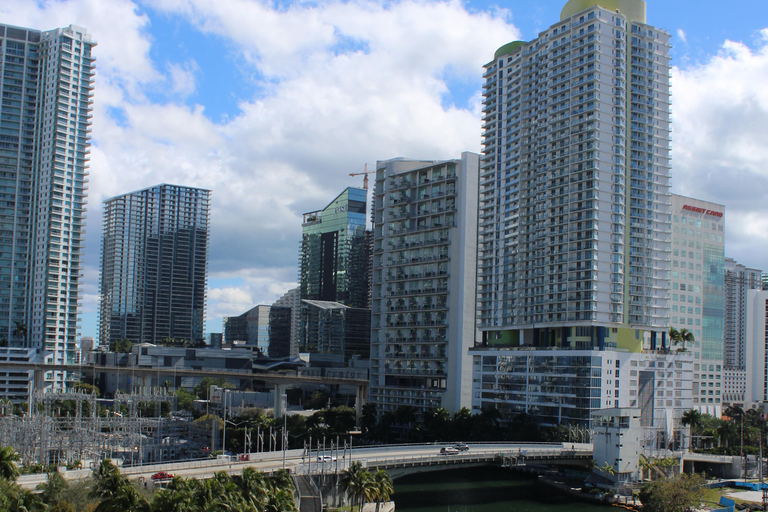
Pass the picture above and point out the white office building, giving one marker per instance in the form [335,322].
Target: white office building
[45,122]
[738,280]
[697,296]
[423,307]
[757,347]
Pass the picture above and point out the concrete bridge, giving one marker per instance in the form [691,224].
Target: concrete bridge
[397,460]
[279,380]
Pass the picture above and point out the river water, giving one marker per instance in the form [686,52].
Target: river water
[485,489]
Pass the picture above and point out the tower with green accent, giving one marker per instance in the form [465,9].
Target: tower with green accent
[574,215]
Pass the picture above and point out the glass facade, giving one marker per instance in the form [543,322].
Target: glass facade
[713,302]
[154,265]
[46,78]
[336,252]
[333,328]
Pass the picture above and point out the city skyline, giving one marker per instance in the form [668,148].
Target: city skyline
[323,80]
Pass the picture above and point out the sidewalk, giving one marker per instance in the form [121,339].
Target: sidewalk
[385,507]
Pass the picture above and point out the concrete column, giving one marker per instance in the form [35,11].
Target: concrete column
[362,395]
[278,402]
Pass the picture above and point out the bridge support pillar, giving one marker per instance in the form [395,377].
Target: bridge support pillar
[362,395]
[280,404]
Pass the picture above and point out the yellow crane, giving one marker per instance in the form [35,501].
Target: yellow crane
[364,173]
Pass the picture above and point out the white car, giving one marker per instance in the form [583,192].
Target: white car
[326,458]
[448,450]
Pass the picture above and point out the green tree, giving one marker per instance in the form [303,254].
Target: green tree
[681,493]
[368,418]
[686,336]
[8,458]
[352,482]
[54,490]
[185,399]
[384,487]
[20,330]
[254,487]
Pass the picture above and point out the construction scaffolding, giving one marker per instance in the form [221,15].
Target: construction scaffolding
[134,428]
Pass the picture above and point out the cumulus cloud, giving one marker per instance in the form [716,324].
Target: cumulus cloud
[334,85]
[720,119]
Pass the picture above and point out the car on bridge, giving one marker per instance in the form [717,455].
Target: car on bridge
[162,475]
[326,458]
[462,447]
[448,450]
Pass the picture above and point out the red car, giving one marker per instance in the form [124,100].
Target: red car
[162,475]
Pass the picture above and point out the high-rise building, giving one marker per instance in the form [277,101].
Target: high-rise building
[154,265]
[45,133]
[738,348]
[279,343]
[738,279]
[697,295]
[757,347]
[335,270]
[423,308]
[335,252]
[574,227]
[335,330]
[292,299]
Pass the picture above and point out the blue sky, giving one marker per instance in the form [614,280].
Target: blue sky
[272,105]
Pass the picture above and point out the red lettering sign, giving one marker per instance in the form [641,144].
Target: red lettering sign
[696,209]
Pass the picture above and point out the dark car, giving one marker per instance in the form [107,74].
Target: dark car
[162,475]
[462,447]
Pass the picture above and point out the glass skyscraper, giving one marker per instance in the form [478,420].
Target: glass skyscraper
[336,252]
[154,265]
[46,80]
[335,266]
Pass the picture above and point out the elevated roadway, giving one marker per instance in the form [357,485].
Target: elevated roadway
[397,460]
[279,380]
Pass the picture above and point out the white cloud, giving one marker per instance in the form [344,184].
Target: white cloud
[681,35]
[720,115]
[182,78]
[337,85]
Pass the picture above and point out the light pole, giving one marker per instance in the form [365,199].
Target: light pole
[284,398]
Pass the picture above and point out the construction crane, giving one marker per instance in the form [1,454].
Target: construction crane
[364,173]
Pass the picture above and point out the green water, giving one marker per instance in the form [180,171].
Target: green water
[480,490]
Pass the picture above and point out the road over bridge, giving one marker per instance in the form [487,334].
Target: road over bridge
[397,460]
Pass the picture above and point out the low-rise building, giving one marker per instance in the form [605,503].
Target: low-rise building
[166,360]
[567,386]
[617,438]
[16,386]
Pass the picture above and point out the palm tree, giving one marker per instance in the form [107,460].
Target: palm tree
[674,336]
[691,417]
[351,481]
[686,336]
[280,501]
[8,458]
[607,468]
[384,487]
[253,486]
